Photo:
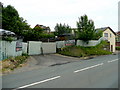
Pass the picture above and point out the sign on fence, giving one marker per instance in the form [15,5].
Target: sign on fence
[69,42]
[18,46]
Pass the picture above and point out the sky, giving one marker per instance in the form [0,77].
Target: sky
[104,13]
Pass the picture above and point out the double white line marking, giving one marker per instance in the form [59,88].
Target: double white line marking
[88,68]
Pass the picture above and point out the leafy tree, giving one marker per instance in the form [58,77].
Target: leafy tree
[62,29]
[98,34]
[38,29]
[1,7]
[86,28]
[11,20]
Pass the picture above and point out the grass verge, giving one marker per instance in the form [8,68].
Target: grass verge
[12,62]
[79,51]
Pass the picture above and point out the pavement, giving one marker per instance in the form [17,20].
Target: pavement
[98,72]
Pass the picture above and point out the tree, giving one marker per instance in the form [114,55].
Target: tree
[38,29]
[11,20]
[1,7]
[86,29]
[62,29]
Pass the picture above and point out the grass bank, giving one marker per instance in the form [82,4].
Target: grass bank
[79,51]
[12,62]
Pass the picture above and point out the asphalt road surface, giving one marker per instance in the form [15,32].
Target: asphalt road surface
[99,72]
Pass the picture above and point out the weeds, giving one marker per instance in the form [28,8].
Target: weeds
[13,62]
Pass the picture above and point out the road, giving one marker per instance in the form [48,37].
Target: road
[99,72]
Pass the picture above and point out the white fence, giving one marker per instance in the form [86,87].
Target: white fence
[24,47]
[61,44]
[90,43]
[34,47]
[8,49]
[16,48]
[49,48]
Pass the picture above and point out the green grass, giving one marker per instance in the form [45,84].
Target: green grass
[79,51]
[118,48]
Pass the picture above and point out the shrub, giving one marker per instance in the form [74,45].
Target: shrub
[13,62]
[80,51]
[118,48]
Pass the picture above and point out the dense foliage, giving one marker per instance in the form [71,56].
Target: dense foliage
[62,29]
[12,21]
[86,29]
[118,48]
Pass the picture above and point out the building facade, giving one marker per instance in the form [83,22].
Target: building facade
[110,35]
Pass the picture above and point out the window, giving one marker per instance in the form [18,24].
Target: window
[105,34]
[110,35]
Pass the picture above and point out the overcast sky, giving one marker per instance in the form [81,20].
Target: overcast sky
[49,12]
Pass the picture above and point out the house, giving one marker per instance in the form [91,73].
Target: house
[45,28]
[118,38]
[109,35]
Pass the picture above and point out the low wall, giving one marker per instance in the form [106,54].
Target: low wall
[24,47]
[34,47]
[90,43]
[60,44]
[8,49]
[49,48]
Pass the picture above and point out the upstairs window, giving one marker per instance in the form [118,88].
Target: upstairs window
[110,35]
[105,34]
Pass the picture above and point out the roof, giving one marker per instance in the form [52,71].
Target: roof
[118,32]
[105,28]
[2,32]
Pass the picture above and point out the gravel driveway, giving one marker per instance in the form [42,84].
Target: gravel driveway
[42,61]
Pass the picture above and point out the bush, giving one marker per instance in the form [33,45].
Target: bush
[7,38]
[80,51]
[13,62]
[118,48]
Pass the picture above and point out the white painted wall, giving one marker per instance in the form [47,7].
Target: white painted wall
[34,47]
[49,47]
[110,39]
[24,47]
[90,43]
[9,49]
[60,44]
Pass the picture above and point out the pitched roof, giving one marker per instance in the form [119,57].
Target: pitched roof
[105,28]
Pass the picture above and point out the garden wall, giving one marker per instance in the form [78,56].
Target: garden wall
[24,47]
[49,47]
[34,47]
[8,49]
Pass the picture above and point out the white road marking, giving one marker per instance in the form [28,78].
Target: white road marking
[38,82]
[112,60]
[88,68]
